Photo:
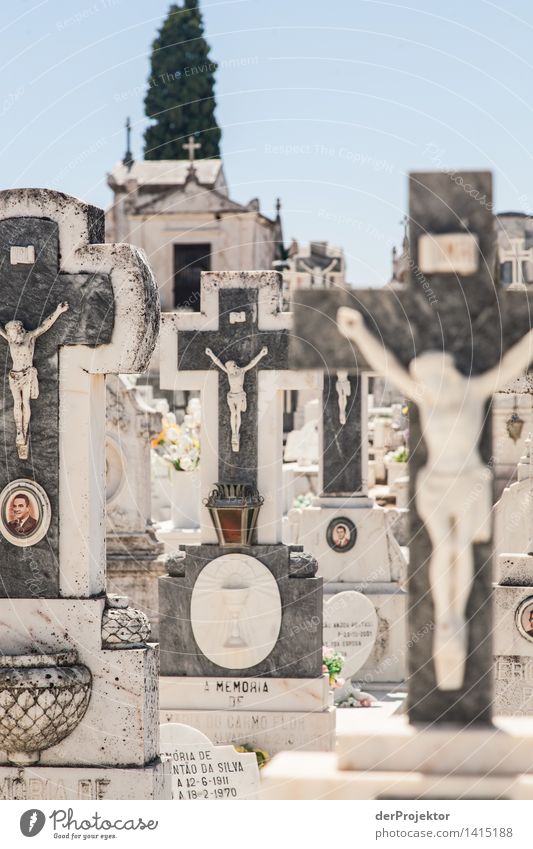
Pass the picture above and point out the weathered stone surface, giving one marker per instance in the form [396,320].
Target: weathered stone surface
[29,294]
[75,782]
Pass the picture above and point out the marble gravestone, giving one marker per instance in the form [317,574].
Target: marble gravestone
[202,772]
[456,354]
[368,558]
[133,553]
[350,628]
[513,595]
[78,681]
[241,626]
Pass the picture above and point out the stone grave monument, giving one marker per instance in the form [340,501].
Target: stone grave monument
[241,613]
[202,772]
[449,359]
[78,681]
[349,535]
[513,595]
[133,553]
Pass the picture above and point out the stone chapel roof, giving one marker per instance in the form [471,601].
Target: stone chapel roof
[165,173]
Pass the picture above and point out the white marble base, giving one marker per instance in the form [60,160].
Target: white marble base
[394,760]
[376,555]
[40,782]
[276,694]
[273,731]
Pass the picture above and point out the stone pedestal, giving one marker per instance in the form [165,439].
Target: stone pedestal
[513,646]
[274,714]
[375,566]
[402,761]
[280,700]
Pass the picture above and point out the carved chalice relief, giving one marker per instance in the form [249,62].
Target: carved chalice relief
[236,396]
[454,488]
[23,377]
[234,594]
[344,390]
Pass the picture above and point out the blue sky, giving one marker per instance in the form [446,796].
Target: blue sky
[325,104]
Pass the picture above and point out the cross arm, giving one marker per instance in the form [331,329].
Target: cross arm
[515,360]
[262,353]
[351,324]
[50,320]
[215,359]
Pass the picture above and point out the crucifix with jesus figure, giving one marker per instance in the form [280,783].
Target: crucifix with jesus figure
[448,354]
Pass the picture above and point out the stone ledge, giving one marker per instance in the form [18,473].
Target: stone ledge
[502,749]
[315,775]
[41,782]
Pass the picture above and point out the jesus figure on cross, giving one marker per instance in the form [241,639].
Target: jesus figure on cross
[454,488]
[23,378]
[236,396]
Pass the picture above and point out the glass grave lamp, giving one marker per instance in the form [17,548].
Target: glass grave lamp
[234,509]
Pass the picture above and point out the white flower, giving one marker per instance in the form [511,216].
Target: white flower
[172,434]
[187,463]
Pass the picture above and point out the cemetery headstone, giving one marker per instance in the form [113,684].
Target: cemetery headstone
[202,772]
[350,628]
[513,595]
[78,681]
[241,613]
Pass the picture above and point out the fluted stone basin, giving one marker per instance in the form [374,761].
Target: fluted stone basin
[42,700]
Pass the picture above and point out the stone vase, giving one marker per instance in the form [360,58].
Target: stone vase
[42,699]
[395,471]
[185,495]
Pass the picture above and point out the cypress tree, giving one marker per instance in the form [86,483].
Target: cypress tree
[180,98]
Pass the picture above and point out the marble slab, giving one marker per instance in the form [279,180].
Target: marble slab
[274,731]
[279,694]
[200,771]
[67,782]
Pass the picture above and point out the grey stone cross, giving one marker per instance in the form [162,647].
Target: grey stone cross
[448,340]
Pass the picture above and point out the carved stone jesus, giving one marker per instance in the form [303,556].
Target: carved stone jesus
[236,396]
[454,488]
[23,377]
[344,390]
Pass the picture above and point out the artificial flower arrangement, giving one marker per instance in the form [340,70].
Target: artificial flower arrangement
[178,444]
[400,455]
[262,756]
[332,664]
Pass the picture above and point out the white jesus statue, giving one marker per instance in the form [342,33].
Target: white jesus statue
[454,488]
[236,396]
[23,377]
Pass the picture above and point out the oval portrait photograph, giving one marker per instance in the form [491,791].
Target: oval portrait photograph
[24,512]
[524,618]
[341,534]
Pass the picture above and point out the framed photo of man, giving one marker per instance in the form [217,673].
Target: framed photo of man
[524,618]
[24,512]
[341,534]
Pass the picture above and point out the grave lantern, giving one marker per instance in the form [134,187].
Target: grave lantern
[234,509]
